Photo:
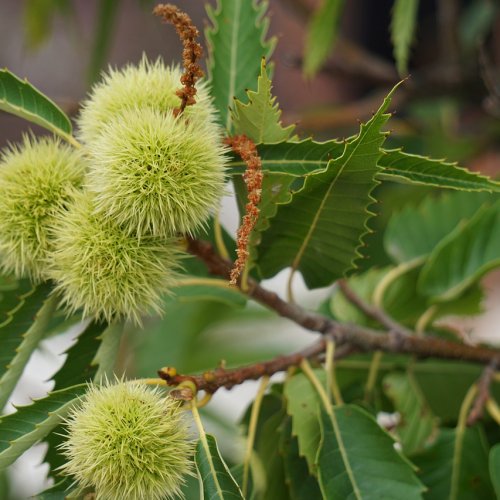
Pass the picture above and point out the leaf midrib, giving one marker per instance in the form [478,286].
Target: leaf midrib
[312,228]
[345,458]
[206,447]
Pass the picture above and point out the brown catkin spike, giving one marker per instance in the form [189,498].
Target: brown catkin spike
[188,33]
[246,149]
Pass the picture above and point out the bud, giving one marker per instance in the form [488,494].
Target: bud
[154,173]
[106,272]
[36,181]
[128,441]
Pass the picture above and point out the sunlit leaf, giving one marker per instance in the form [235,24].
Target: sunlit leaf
[260,118]
[20,98]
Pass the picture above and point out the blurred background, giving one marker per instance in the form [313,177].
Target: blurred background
[449,107]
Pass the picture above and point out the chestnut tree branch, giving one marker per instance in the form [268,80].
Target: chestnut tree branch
[211,381]
[374,312]
[358,337]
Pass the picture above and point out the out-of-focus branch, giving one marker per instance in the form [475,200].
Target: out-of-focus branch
[211,381]
[483,393]
[374,312]
[356,336]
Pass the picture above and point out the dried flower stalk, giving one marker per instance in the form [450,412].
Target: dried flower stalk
[246,149]
[188,33]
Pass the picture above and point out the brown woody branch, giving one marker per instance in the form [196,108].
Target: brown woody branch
[373,312]
[211,381]
[483,393]
[355,336]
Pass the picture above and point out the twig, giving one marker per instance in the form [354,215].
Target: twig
[374,312]
[483,393]
[188,33]
[356,336]
[211,381]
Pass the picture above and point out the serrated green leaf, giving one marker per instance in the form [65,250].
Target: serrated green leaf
[301,484]
[29,424]
[357,459]
[215,479]
[20,98]
[418,426]
[79,366]
[494,467]
[400,166]
[276,189]
[463,257]
[456,469]
[320,231]
[20,335]
[11,301]
[303,407]
[308,157]
[403,24]
[415,231]
[106,355]
[321,34]
[293,158]
[260,118]
[236,42]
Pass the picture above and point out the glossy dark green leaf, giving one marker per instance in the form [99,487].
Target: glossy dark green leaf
[20,98]
[301,484]
[237,42]
[409,168]
[29,424]
[20,334]
[299,158]
[217,481]
[79,366]
[357,459]
[320,231]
